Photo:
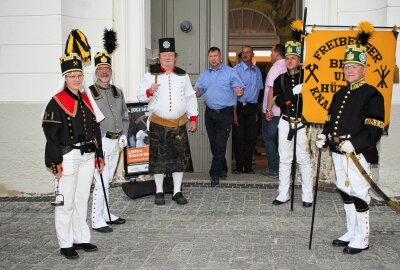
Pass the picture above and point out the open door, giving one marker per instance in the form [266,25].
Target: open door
[196,26]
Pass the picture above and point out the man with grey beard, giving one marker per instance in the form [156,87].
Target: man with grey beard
[114,131]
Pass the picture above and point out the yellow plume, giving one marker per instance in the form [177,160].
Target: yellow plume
[296,25]
[365,27]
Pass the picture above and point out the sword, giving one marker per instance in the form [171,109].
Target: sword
[104,189]
[116,167]
[395,206]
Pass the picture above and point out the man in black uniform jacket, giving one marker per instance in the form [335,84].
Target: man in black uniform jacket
[354,124]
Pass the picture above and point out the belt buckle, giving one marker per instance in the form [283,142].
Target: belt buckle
[244,103]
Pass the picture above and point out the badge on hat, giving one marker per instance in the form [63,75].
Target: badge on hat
[292,48]
[70,62]
[166,45]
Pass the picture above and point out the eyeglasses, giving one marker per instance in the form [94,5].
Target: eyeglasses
[103,69]
[247,52]
[351,67]
[74,77]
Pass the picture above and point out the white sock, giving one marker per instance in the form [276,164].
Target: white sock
[159,178]
[177,177]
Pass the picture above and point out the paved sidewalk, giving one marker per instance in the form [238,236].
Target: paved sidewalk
[220,228]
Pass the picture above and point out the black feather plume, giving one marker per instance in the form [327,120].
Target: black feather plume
[110,40]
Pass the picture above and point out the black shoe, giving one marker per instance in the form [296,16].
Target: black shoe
[69,253]
[85,246]
[350,250]
[339,243]
[104,229]
[249,171]
[236,171]
[118,221]
[159,198]
[214,181]
[178,197]
[276,202]
[307,204]
[223,176]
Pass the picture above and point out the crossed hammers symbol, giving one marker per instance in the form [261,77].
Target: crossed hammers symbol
[383,74]
[312,68]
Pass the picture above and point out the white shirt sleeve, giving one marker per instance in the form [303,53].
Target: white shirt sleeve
[145,84]
[191,99]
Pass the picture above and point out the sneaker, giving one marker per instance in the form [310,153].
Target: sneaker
[178,197]
[273,175]
[159,198]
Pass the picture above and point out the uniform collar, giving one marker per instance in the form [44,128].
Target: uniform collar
[357,84]
[72,95]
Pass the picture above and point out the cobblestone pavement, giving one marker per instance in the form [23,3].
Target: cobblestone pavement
[220,228]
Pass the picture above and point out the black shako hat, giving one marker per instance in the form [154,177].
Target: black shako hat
[166,45]
[70,62]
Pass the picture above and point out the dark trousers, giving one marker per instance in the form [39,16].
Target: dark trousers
[218,126]
[245,135]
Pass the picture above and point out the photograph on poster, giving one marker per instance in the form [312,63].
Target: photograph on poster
[137,151]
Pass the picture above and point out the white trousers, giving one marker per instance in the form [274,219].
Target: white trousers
[285,149]
[99,209]
[74,185]
[358,187]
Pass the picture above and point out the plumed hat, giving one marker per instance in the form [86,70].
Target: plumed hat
[109,44]
[77,52]
[357,53]
[294,47]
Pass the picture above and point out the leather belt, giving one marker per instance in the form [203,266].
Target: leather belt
[247,104]
[168,122]
[112,135]
[292,119]
[337,139]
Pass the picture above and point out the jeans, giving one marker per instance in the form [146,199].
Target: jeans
[270,137]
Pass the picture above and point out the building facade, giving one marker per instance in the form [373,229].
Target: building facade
[33,38]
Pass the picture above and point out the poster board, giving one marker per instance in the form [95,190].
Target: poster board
[136,161]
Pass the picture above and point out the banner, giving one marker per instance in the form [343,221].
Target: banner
[323,68]
[137,151]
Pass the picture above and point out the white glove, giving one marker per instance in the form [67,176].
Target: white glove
[297,89]
[122,141]
[347,147]
[321,139]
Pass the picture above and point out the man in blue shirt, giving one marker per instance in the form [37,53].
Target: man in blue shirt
[245,129]
[221,85]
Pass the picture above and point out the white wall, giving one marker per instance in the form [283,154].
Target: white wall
[33,36]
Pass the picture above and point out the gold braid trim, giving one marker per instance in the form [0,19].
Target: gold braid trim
[374,122]
[357,84]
